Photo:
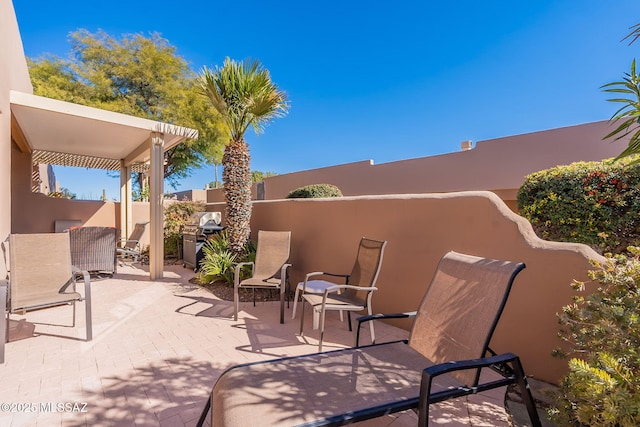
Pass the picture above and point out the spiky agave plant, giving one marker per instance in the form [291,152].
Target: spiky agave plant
[244,94]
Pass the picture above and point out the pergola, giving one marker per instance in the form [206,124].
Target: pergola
[66,134]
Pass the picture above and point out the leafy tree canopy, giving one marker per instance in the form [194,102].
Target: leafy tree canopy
[140,76]
[259,176]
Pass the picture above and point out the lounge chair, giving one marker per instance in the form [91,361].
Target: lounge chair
[354,295]
[268,271]
[41,276]
[449,341]
[131,247]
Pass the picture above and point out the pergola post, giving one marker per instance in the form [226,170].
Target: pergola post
[126,202]
[156,178]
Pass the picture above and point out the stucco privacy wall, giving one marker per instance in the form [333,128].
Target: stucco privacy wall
[420,229]
[499,165]
[36,212]
[14,75]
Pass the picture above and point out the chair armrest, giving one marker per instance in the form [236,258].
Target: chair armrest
[324,273]
[236,275]
[77,273]
[310,275]
[336,288]
[346,276]
[513,374]
[461,365]
[370,317]
[283,273]
[283,277]
[315,273]
[87,285]
[125,241]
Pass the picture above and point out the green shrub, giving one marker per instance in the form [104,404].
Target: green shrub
[315,191]
[176,216]
[219,262]
[596,203]
[603,384]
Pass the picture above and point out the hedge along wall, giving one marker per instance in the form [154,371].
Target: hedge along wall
[420,229]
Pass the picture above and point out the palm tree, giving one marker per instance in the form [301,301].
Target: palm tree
[627,117]
[243,93]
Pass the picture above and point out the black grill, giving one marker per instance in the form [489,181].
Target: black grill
[195,233]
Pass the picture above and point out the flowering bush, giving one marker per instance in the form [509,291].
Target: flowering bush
[603,384]
[596,203]
[176,216]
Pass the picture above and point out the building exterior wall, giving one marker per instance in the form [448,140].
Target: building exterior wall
[499,165]
[37,212]
[420,229]
[193,195]
[13,75]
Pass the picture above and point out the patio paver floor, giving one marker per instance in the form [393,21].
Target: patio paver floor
[158,348]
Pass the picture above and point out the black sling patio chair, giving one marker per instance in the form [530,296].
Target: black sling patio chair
[447,348]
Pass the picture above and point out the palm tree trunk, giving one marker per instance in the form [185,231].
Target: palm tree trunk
[236,175]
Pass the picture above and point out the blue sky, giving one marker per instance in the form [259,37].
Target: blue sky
[384,81]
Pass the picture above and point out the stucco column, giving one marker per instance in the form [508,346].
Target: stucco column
[156,178]
[126,202]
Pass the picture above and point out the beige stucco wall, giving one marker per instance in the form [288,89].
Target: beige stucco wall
[420,229]
[498,165]
[37,213]
[194,195]
[13,75]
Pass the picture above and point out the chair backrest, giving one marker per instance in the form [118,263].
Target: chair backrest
[366,268]
[461,309]
[134,239]
[94,248]
[272,253]
[40,265]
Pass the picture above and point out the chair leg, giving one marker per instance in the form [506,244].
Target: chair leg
[73,321]
[281,306]
[288,292]
[87,306]
[205,411]
[5,320]
[525,392]
[87,315]
[236,304]
[302,302]
[316,318]
[322,315]
[373,334]
[295,302]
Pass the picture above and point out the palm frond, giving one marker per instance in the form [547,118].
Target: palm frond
[244,94]
[627,117]
[634,34]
